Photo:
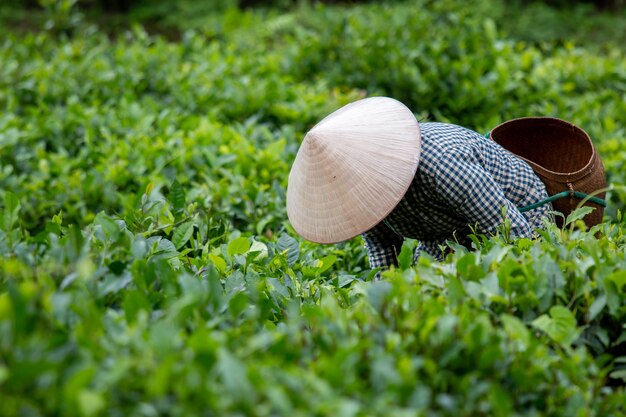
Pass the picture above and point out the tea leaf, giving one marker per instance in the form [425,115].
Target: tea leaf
[287,244]
[560,326]
[10,211]
[238,246]
[578,214]
[177,197]
[182,234]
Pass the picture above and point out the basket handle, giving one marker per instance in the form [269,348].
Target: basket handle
[563,194]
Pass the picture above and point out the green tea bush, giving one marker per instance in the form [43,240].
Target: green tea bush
[113,321]
[147,266]
[582,23]
[90,122]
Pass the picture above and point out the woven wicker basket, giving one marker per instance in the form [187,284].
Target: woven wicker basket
[561,154]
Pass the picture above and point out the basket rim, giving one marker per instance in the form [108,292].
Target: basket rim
[586,170]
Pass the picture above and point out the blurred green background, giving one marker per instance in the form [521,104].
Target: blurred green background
[591,22]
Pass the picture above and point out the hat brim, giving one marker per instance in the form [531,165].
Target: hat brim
[352,169]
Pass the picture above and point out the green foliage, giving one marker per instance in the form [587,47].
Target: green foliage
[107,315]
[147,266]
[536,21]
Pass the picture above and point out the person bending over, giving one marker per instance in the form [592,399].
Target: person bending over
[371,169]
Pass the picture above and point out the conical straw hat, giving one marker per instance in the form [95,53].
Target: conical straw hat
[352,169]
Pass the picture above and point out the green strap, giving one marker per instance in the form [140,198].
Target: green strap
[560,195]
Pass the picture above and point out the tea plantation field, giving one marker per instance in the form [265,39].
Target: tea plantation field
[147,267]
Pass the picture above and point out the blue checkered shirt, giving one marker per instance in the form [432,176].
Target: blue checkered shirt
[462,182]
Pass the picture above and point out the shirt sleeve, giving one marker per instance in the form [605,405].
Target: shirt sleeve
[472,191]
[383,245]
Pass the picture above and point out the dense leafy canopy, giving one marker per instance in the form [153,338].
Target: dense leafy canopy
[147,266]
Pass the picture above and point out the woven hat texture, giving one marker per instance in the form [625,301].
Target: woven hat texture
[352,169]
[562,155]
